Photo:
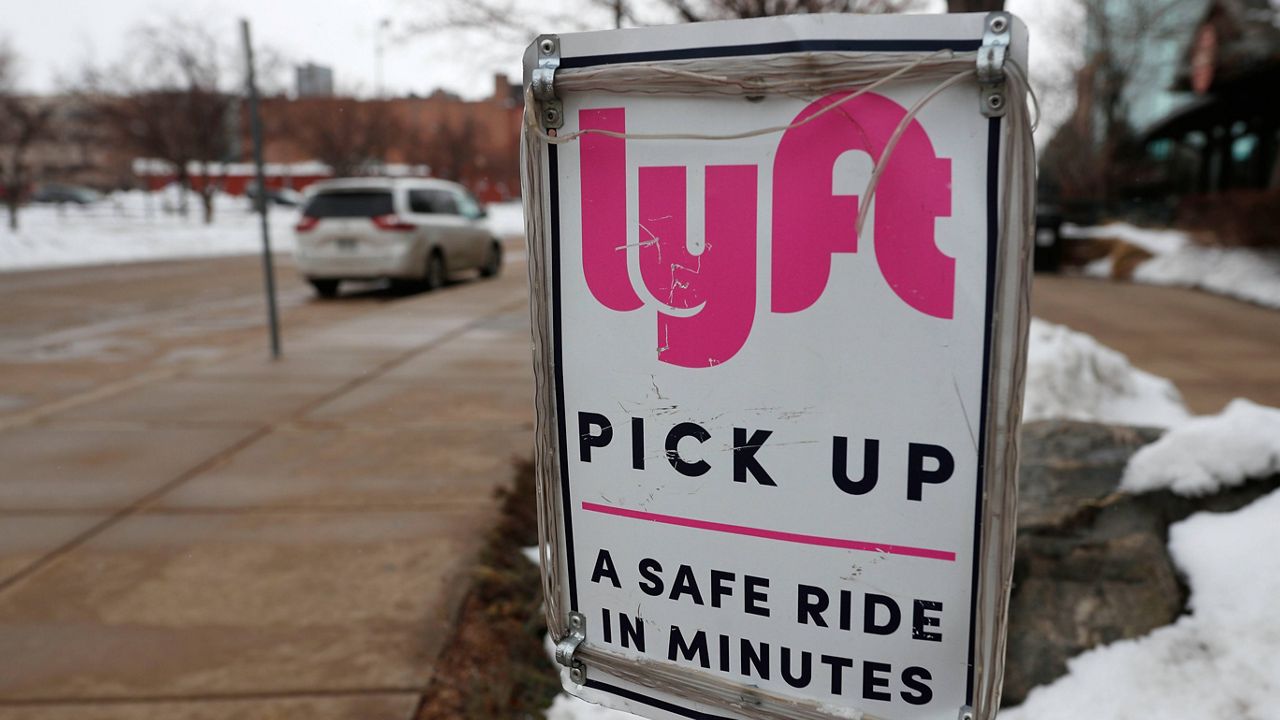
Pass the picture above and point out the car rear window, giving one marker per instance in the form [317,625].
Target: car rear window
[352,203]
[439,202]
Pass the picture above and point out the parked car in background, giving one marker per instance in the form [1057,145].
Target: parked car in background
[403,230]
[1047,256]
[60,193]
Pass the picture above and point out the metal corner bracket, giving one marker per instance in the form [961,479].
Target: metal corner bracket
[966,713]
[543,82]
[996,35]
[567,648]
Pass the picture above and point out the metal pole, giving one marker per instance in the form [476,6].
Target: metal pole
[268,267]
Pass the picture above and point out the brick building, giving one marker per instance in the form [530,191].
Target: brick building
[475,142]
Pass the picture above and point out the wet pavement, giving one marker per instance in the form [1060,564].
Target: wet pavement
[188,529]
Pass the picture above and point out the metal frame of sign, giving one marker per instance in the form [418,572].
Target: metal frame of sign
[655,688]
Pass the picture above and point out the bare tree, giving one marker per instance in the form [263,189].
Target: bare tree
[166,101]
[350,136]
[23,121]
[511,22]
[700,10]
[450,147]
[1118,38]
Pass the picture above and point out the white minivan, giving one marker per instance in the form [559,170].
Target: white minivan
[400,229]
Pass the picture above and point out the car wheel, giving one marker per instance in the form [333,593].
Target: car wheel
[493,262]
[434,276]
[325,288]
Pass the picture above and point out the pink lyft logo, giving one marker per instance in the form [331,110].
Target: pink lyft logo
[810,224]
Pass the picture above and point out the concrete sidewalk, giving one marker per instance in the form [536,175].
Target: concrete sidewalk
[252,539]
[1213,348]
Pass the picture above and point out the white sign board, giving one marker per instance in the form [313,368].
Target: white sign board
[767,437]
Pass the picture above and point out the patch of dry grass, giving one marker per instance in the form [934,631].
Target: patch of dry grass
[495,666]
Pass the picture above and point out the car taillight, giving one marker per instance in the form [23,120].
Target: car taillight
[306,223]
[393,222]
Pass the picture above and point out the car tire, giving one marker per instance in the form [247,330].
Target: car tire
[493,261]
[325,288]
[434,276]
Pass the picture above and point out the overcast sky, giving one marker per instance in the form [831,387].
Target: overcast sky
[55,39]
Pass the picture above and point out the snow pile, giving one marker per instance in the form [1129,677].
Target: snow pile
[1242,273]
[133,226]
[1206,454]
[1221,661]
[531,554]
[506,218]
[1156,242]
[1072,376]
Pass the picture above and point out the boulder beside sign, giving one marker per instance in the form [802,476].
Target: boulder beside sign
[777,452]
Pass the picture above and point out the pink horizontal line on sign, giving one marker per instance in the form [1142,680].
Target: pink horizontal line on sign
[771,534]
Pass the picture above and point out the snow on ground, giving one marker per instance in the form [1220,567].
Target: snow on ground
[506,218]
[1156,242]
[1221,661]
[1206,454]
[133,226]
[1244,273]
[1072,376]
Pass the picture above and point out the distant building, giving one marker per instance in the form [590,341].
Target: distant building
[475,142]
[1225,136]
[1219,153]
[1192,137]
[79,147]
[314,80]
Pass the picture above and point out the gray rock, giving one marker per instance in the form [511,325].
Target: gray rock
[1092,564]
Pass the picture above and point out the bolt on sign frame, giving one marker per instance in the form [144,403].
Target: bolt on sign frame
[779,274]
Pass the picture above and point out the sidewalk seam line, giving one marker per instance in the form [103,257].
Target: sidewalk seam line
[206,697]
[209,463]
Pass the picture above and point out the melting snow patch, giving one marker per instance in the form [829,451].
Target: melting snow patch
[1206,454]
[1156,242]
[1221,661]
[506,218]
[1072,376]
[1242,273]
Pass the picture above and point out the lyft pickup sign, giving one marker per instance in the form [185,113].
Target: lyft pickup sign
[770,442]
